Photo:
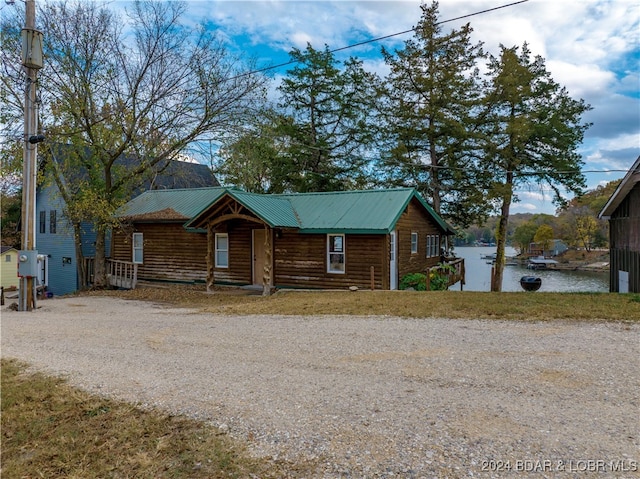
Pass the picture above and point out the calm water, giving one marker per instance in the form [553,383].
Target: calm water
[478,275]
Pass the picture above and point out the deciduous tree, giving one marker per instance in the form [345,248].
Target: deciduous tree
[544,237]
[144,87]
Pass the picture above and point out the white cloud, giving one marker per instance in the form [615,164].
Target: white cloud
[581,80]
[528,207]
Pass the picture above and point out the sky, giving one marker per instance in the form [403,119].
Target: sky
[590,46]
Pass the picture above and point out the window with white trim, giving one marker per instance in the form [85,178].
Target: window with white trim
[414,243]
[222,250]
[138,247]
[336,254]
[433,246]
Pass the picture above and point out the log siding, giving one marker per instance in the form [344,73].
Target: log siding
[415,220]
[170,253]
[300,260]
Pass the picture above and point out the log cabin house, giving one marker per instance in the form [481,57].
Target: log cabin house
[623,212]
[335,240]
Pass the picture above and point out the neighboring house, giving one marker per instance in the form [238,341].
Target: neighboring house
[55,236]
[623,212]
[304,240]
[8,267]
[555,248]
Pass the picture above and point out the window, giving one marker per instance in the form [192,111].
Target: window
[222,250]
[414,243]
[138,246]
[433,246]
[43,219]
[335,254]
[7,258]
[52,221]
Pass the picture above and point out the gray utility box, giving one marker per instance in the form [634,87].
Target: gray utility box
[28,264]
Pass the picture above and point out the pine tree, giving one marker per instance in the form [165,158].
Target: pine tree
[432,97]
[532,130]
[327,121]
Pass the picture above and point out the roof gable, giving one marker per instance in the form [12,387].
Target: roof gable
[626,185]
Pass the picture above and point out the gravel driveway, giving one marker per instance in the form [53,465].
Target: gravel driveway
[362,396]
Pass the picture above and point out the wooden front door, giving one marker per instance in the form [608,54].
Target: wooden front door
[258,256]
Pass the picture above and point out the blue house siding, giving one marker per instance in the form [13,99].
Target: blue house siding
[63,276]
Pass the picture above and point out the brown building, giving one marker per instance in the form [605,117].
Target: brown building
[307,240]
[623,212]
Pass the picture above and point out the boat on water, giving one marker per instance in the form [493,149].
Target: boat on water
[540,262]
[491,259]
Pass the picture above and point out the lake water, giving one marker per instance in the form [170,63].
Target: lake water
[478,274]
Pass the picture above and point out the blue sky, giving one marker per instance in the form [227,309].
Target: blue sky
[590,46]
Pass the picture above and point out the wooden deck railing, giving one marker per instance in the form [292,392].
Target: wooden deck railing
[453,270]
[123,274]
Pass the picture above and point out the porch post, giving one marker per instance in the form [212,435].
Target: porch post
[210,258]
[266,277]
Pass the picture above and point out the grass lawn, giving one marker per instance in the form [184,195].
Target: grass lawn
[411,304]
[50,429]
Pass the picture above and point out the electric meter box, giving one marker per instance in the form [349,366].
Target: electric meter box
[28,264]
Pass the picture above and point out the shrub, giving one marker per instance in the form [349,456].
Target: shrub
[439,277]
[438,282]
[417,281]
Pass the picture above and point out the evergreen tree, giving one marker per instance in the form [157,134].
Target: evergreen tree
[533,128]
[431,101]
[327,122]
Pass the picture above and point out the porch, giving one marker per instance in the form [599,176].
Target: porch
[451,269]
[120,274]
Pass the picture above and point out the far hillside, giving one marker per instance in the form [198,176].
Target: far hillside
[576,224]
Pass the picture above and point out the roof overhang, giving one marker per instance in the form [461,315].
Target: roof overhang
[626,185]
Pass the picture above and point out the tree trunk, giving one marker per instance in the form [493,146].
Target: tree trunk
[501,234]
[266,277]
[81,265]
[100,270]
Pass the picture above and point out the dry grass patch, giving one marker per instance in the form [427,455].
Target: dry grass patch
[50,429]
[442,304]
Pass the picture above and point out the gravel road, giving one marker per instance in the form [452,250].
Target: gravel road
[362,396]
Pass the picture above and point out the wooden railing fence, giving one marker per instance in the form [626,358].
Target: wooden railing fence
[453,270]
[122,274]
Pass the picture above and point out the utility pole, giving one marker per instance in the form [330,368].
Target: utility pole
[28,256]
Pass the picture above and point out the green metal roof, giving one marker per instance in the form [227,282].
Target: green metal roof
[373,211]
[185,202]
[357,212]
[272,209]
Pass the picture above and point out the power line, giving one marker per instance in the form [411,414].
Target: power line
[377,39]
